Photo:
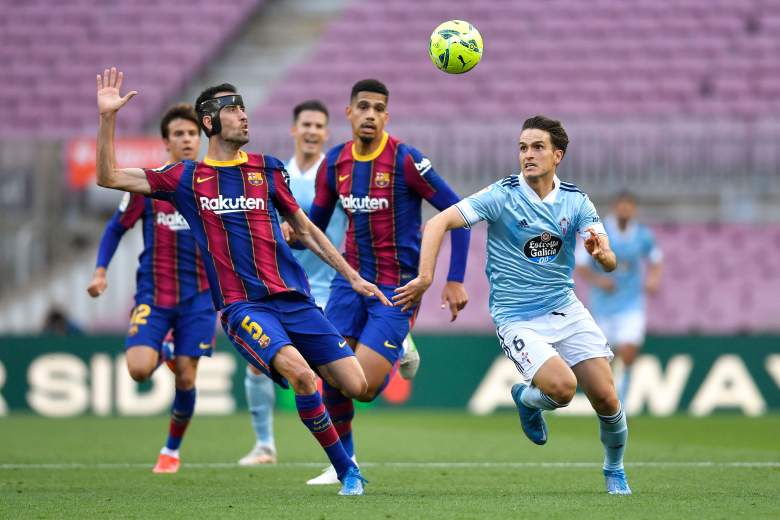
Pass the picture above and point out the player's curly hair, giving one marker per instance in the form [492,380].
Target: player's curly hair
[368,85]
[180,111]
[558,137]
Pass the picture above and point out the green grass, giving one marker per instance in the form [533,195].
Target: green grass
[125,487]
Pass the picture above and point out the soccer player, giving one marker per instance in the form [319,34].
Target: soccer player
[172,290]
[230,202]
[617,299]
[380,182]
[309,132]
[533,222]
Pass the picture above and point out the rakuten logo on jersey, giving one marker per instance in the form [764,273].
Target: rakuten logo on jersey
[224,204]
[173,221]
[363,204]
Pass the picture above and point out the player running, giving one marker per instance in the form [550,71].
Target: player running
[617,299]
[172,290]
[533,222]
[380,182]
[309,132]
[230,202]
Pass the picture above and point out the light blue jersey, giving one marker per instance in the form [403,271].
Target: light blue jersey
[633,247]
[319,273]
[530,245]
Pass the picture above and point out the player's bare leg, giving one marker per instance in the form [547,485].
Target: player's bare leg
[260,398]
[142,361]
[595,379]
[185,370]
[552,387]
[291,364]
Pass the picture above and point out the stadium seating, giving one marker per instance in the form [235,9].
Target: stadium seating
[51,55]
[602,57]
[718,279]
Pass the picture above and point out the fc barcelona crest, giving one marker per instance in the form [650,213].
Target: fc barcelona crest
[254,178]
[382,179]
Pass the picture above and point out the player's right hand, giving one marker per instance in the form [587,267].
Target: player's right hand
[411,294]
[366,288]
[98,284]
[289,233]
[108,98]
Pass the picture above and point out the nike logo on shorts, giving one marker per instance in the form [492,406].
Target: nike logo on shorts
[342,344]
[389,345]
[204,346]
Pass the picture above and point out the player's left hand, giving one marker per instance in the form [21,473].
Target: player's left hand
[454,295]
[288,233]
[410,294]
[366,288]
[594,244]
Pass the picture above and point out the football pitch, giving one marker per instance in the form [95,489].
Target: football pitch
[420,464]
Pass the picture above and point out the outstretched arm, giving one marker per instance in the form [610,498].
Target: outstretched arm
[410,294]
[314,239]
[109,102]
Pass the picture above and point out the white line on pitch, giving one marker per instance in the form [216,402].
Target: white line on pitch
[418,465]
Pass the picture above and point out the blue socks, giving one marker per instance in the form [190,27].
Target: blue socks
[181,413]
[260,398]
[314,415]
[535,398]
[342,411]
[622,384]
[614,435]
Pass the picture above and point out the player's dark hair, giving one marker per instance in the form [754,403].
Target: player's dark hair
[180,111]
[626,195]
[207,94]
[310,104]
[368,85]
[558,136]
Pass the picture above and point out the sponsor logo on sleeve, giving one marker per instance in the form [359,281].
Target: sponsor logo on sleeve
[424,166]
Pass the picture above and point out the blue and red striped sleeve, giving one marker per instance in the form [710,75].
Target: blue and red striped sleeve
[283,197]
[423,179]
[324,192]
[130,210]
[163,181]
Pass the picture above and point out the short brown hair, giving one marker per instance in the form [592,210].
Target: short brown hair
[558,137]
[180,111]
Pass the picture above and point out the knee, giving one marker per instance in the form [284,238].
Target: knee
[138,373]
[605,402]
[356,388]
[562,389]
[302,379]
[185,380]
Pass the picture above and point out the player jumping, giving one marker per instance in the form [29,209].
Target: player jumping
[230,202]
[533,222]
[172,291]
[380,182]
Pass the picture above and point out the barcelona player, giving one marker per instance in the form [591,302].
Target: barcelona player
[172,290]
[380,182]
[533,222]
[230,201]
[617,299]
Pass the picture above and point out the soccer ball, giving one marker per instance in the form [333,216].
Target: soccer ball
[455,47]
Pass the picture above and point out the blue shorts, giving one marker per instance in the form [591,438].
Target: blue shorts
[193,326]
[260,329]
[381,328]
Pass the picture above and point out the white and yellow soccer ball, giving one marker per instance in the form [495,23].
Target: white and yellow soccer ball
[455,47]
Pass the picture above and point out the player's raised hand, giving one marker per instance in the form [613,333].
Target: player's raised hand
[366,288]
[454,295]
[108,85]
[98,284]
[410,294]
[593,243]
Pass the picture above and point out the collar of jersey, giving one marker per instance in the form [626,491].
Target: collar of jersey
[373,155]
[531,194]
[242,158]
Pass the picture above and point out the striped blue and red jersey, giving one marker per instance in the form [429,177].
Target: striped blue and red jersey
[382,194]
[231,208]
[170,268]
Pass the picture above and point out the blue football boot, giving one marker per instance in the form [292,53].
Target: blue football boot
[352,482]
[530,418]
[616,482]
